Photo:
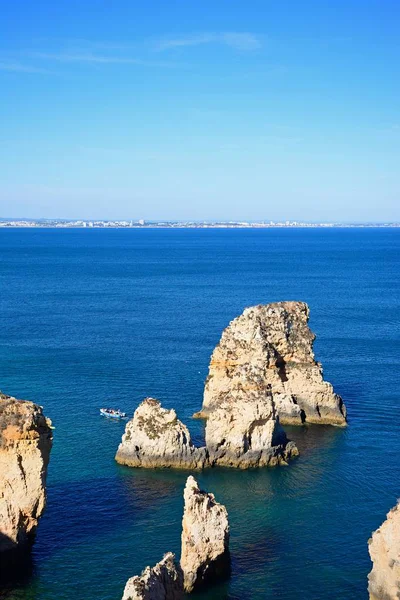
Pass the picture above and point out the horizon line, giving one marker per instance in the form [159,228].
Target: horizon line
[141,222]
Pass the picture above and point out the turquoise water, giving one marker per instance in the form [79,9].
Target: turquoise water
[99,317]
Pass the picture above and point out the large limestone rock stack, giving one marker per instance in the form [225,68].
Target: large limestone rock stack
[162,582]
[384,549]
[205,538]
[268,351]
[244,431]
[25,444]
[156,438]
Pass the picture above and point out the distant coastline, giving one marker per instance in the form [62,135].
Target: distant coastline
[142,224]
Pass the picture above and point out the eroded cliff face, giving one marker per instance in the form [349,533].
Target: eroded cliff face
[156,438]
[25,444]
[204,554]
[268,352]
[237,435]
[164,581]
[244,431]
[205,538]
[384,549]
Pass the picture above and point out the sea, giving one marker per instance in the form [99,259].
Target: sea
[93,318]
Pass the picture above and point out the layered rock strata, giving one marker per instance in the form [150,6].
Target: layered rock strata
[164,581]
[384,550]
[156,438]
[25,444]
[268,351]
[205,538]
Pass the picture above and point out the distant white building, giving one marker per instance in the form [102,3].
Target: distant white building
[141,221]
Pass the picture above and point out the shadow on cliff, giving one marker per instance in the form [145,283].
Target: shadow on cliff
[16,565]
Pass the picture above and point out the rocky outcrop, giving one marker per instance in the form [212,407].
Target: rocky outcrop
[237,435]
[244,431]
[384,549]
[204,555]
[268,352]
[162,582]
[25,444]
[205,538]
[156,438]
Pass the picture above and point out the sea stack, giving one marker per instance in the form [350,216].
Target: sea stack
[205,538]
[156,438]
[267,352]
[244,431]
[25,444]
[384,550]
[162,582]
[204,555]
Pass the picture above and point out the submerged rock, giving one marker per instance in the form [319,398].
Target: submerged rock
[268,352]
[244,431]
[156,438]
[164,581]
[25,444]
[384,549]
[205,538]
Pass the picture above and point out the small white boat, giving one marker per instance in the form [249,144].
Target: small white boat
[113,413]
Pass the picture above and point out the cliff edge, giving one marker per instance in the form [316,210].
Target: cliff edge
[25,444]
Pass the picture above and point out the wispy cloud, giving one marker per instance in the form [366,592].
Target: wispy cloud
[93,58]
[16,67]
[102,53]
[237,40]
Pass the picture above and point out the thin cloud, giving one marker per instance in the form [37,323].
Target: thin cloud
[91,58]
[236,40]
[85,45]
[15,67]
[98,53]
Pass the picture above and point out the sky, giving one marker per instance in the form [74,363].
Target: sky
[211,110]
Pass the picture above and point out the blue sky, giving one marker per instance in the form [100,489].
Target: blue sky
[218,109]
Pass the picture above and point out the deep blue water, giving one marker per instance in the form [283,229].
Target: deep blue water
[99,317]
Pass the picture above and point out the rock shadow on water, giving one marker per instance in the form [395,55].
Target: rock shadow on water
[151,485]
[215,587]
[312,439]
[88,507]
[262,547]
[16,566]
[214,591]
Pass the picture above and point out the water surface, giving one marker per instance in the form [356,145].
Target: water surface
[97,317]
